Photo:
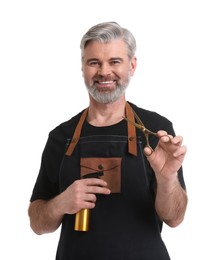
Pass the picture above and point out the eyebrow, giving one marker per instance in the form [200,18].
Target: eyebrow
[116,58]
[111,59]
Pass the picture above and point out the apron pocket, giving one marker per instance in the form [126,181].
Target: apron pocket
[107,169]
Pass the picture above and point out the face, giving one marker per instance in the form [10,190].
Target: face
[107,70]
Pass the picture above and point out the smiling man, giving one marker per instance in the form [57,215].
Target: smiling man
[98,171]
[107,70]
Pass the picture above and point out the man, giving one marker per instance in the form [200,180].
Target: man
[99,163]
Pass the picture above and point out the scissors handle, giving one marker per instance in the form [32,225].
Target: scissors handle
[147,132]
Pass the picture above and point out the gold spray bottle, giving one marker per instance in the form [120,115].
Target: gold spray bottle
[82,217]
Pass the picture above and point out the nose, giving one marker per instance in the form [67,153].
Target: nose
[104,70]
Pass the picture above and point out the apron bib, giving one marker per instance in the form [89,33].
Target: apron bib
[123,225]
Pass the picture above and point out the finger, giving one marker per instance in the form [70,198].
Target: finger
[94,182]
[90,198]
[147,151]
[166,138]
[177,140]
[161,133]
[88,205]
[97,190]
[180,152]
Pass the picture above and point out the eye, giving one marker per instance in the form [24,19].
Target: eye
[93,63]
[115,61]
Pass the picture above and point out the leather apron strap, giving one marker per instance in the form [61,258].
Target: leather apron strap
[132,141]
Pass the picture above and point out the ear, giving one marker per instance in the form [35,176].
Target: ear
[133,65]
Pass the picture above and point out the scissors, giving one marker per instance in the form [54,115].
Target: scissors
[141,126]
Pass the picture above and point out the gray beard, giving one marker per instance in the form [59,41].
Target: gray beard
[108,97]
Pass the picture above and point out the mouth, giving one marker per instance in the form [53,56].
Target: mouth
[105,82]
[105,85]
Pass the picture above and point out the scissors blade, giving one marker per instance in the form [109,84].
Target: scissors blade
[141,127]
[138,119]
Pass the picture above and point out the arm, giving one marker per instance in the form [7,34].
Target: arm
[46,216]
[171,202]
[166,159]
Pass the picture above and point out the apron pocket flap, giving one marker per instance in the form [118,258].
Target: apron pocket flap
[107,169]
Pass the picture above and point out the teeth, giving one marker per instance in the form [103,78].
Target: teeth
[106,82]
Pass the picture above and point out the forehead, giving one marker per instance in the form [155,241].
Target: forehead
[98,50]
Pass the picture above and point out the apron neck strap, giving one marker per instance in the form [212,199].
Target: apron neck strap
[132,143]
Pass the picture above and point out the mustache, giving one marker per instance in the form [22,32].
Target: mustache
[105,78]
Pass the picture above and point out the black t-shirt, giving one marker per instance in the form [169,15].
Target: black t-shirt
[47,186]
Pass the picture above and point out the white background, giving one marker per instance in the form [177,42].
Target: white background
[41,86]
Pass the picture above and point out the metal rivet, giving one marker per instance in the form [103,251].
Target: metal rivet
[131,138]
[100,167]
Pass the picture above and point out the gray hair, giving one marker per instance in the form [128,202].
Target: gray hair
[106,32]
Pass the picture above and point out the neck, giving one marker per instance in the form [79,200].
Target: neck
[106,114]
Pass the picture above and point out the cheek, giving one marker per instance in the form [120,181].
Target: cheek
[125,70]
[88,73]
[85,75]
[124,73]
